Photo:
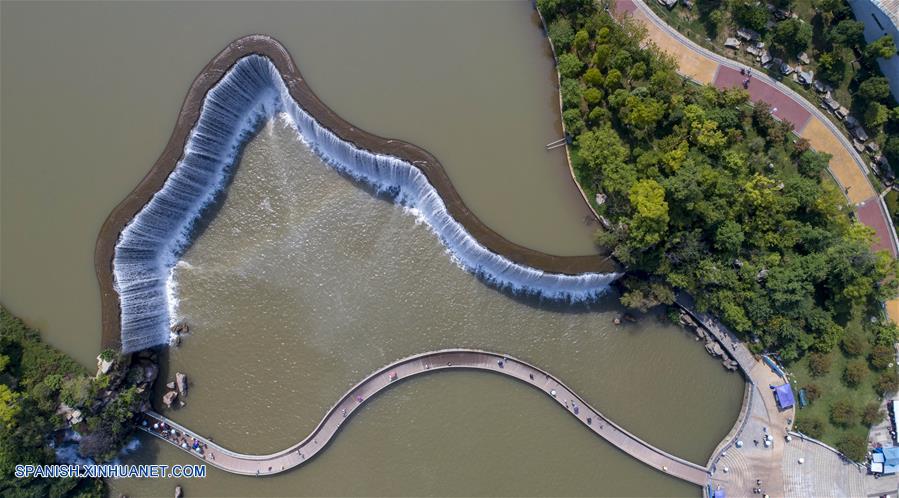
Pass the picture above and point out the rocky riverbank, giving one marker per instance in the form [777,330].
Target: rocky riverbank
[712,346]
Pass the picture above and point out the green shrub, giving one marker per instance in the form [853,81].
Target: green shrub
[819,363]
[812,392]
[853,344]
[854,446]
[872,414]
[812,426]
[882,356]
[887,383]
[856,372]
[842,413]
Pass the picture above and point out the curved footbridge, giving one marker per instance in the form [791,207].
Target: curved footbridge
[447,359]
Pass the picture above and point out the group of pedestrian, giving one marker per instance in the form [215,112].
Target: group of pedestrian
[757,490]
[748,74]
[180,438]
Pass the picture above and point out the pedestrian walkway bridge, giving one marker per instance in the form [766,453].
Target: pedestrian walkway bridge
[467,359]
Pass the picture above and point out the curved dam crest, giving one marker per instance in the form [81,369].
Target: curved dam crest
[251,81]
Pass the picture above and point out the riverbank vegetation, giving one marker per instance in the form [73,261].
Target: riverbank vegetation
[43,393]
[706,193]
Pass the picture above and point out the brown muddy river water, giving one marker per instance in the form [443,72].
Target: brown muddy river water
[305,282]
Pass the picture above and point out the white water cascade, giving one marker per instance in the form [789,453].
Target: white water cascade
[250,93]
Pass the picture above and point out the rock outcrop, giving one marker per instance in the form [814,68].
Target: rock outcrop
[181,383]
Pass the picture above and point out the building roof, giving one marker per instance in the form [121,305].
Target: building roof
[890,8]
[784,396]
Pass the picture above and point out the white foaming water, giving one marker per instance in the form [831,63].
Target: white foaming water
[250,93]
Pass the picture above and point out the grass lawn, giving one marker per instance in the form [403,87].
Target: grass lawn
[833,388]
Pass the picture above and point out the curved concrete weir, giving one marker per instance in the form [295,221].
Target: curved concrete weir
[352,400]
[250,81]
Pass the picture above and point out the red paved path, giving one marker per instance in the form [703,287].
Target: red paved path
[759,91]
[871,213]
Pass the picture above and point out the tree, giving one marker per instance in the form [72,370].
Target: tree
[751,14]
[605,155]
[882,47]
[650,221]
[848,33]
[831,9]
[548,8]
[9,406]
[729,237]
[876,115]
[561,33]
[891,151]
[793,35]
[613,79]
[843,413]
[644,295]
[593,77]
[642,113]
[715,20]
[872,414]
[570,66]
[812,163]
[874,89]
[571,93]
[574,123]
[581,41]
[832,66]
[856,372]
[819,363]
[592,96]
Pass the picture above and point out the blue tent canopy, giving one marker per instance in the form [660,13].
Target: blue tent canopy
[784,396]
[719,493]
[888,458]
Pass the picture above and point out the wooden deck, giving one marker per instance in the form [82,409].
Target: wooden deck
[380,380]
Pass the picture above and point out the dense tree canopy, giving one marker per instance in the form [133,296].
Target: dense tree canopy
[709,194]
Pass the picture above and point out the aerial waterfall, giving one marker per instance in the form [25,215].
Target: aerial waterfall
[250,93]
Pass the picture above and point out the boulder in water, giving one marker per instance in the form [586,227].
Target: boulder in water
[180,328]
[171,385]
[181,382]
[179,493]
[169,398]
[714,348]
